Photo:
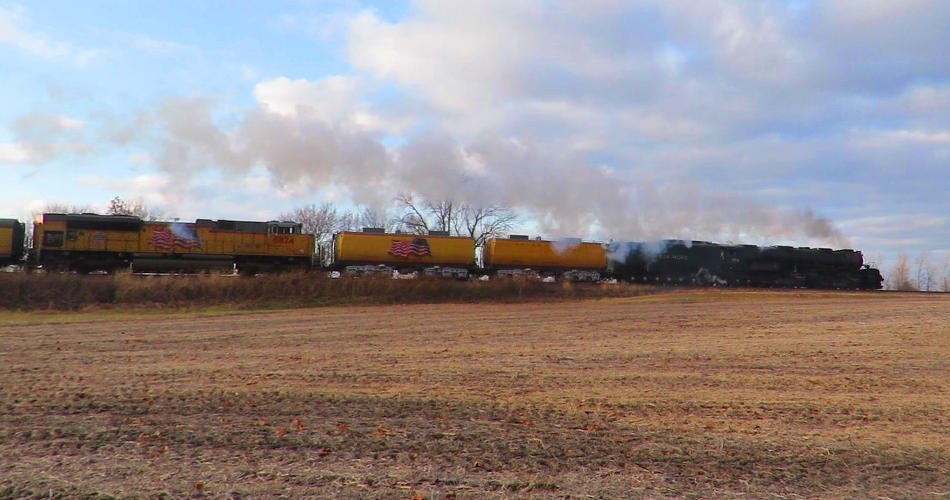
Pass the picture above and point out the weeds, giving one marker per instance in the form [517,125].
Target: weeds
[71,291]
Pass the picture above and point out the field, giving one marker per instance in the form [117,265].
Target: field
[711,394]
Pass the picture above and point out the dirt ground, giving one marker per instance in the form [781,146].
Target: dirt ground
[691,394]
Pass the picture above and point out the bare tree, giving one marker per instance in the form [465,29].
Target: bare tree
[346,221]
[371,217]
[413,220]
[899,278]
[422,216]
[137,208]
[482,223]
[65,208]
[941,273]
[320,221]
[924,270]
[444,215]
[459,219]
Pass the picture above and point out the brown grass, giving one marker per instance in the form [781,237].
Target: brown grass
[71,291]
[692,394]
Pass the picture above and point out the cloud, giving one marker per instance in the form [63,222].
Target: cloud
[718,119]
[926,99]
[44,125]
[42,138]
[13,32]
[329,100]
[152,189]
[36,153]
[156,46]
[12,153]
[335,100]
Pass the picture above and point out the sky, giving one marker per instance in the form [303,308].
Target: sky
[795,122]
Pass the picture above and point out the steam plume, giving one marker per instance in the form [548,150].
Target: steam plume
[562,191]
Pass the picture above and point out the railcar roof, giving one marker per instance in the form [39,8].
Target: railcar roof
[427,236]
[57,217]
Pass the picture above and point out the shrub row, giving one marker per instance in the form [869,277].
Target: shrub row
[72,291]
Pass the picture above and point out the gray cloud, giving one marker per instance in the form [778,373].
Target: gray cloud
[40,138]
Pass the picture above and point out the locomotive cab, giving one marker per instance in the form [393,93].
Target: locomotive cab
[275,227]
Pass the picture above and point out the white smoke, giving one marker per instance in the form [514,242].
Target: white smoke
[564,245]
[561,191]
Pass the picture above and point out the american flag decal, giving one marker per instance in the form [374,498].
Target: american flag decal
[175,235]
[418,246]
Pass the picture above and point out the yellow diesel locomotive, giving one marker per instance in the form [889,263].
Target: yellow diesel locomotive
[89,242]
[12,234]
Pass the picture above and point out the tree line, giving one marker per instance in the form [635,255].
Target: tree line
[923,273]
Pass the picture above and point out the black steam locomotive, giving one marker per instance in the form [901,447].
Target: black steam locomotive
[705,263]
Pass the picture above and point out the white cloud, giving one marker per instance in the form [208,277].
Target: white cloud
[892,139]
[927,99]
[12,153]
[330,99]
[140,159]
[69,123]
[41,138]
[151,188]
[462,56]
[334,101]
[12,22]
[750,40]
[43,126]
[941,137]
[156,46]
[32,153]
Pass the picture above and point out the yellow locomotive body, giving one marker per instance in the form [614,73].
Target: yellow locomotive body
[451,255]
[92,242]
[571,259]
[253,246]
[12,233]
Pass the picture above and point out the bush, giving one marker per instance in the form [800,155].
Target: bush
[73,291]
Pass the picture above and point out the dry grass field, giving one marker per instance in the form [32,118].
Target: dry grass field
[687,394]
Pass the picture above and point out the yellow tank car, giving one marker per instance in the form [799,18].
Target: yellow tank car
[12,234]
[384,252]
[569,259]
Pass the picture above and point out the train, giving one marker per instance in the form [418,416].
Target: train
[90,242]
[665,262]
[712,264]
